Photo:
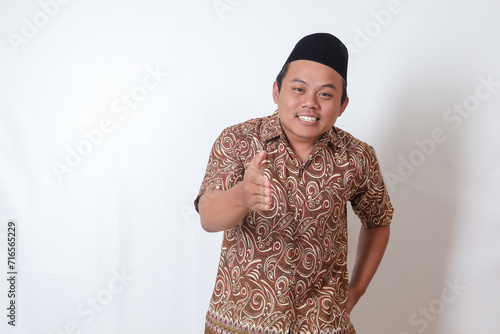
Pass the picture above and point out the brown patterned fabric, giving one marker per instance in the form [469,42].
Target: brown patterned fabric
[285,269]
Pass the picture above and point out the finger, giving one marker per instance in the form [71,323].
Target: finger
[261,187]
[267,202]
[259,158]
[257,179]
[263,206]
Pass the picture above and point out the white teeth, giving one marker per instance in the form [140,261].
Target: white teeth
[308,119]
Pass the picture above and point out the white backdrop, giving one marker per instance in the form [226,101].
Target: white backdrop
[109,110]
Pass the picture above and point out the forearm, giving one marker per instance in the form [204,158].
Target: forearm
[221,210]
[371,247]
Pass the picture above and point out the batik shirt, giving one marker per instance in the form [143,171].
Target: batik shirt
[285,269]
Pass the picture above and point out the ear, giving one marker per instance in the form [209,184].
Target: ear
[276,92]
[343,106]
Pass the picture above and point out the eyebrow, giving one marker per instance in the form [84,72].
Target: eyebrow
[305,83]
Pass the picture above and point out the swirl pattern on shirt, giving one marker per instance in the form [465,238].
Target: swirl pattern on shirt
[285,269]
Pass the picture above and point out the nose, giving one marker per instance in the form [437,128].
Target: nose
[310,101]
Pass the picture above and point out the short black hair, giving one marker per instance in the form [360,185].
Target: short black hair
[282,73]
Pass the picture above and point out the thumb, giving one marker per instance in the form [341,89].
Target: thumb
[259,158]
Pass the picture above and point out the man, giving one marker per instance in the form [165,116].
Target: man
[278,187]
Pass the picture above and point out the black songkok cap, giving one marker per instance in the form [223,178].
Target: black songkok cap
[322,48]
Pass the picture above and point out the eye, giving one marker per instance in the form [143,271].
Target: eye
[298,89]
[324,94]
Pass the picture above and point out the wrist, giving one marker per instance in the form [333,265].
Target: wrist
[239,195]
[357,289]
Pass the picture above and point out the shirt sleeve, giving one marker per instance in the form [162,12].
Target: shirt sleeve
[224,169]
[371,201]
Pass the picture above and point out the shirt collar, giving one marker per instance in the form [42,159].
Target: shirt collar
[271,128]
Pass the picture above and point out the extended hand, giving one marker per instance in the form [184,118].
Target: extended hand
[256,189]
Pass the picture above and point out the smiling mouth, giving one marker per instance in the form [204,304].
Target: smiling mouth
[308,119]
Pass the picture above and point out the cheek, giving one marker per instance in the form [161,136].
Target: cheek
[332,109]
[287,106]
[331,115]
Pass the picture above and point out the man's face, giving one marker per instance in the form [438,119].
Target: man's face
[309,101]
